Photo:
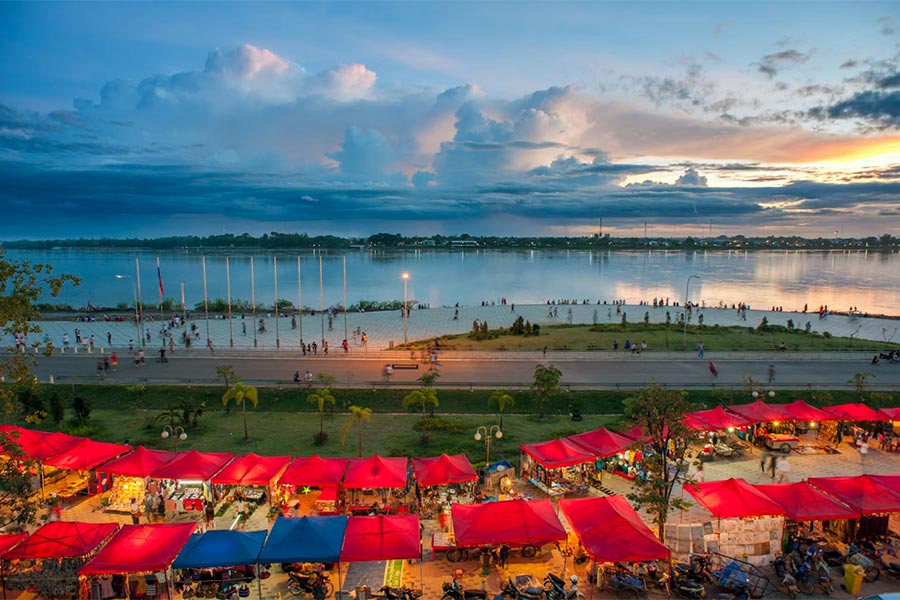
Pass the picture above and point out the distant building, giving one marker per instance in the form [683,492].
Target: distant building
[463,244]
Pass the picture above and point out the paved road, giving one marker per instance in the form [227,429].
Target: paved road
[579,370]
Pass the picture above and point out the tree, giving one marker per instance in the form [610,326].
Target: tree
[860,384]
[320,398]
[501,399]
[17,509]
[241,393]
[660,412]
[358,416]
[545,385]
[228,375]
[22,286]
[425,397]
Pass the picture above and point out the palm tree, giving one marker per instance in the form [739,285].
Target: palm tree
[424,398]
[358,416]
[501,399]
[320,398]
[241,393]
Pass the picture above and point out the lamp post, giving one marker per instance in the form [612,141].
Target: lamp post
[687,286]
[486,433]
[405,277]
[176,433]
[137,320]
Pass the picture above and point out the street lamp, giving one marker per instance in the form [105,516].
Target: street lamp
[405,277]
[137,320]
[770,394]
[176,433]
[486,433]
[687,286]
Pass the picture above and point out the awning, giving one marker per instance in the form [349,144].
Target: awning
[601,442]
[799,410]
[611,531]
[891,482]
[804,502]
[890,414]
[863,494]
[140,549]
[376,472]
[759,412]
[139,463]
[252,470]
[307,539]
[854,411]
[9,541]
[715,419]
[41,445]
[314,471]
[512,522]
[63,539]
[220,548]
[385,537]
[556,454]
[733,498]
[443,470]
[193,466]
[87,455]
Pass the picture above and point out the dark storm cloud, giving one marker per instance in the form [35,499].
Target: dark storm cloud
[879,109]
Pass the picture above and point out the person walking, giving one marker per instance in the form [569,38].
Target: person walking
[784,468]
[700,350]
[863,450]
[135,510]
[763,460]
[771,373]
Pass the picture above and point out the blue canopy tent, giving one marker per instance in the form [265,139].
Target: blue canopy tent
[220,548]
[307,539]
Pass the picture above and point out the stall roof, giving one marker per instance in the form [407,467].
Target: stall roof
[862,493]
[63,539]
[140,462]
[715,419]
[733,498]
[556,454]
[307,539]
[636,433]
[9,541]
[193,466]
[513,521]
[890,414]
[804,502]
[601,442]
[384,537]
[891,482]
[41,445]
[759,412]
[443,470]
[220,548]
[854,411]
[314,471]
[252,469]
[140,549]
[611,530]
[798,410]
[87,455]
[376,472]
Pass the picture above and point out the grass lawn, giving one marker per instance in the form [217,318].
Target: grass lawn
[658,337]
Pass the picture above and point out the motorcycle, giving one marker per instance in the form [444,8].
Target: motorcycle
[453,591]
[687,587]
[790,584]
[624,583]
[315,584]
[400,593]
[802,572]
[699,568]
[856,557]
[823,575]
[529,592]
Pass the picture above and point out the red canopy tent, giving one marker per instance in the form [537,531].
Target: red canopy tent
[555,454]
[514,522]
[611,530]
[87,455]
[26,439]
[758,412]
[62,539]
[733,498]
[11,540]
[636,434]
[252,470]
[376,472]
[863,494]
[443,470]
[41,445]
[385,537]
[804,502]
[193,466]
[601,442]
[715,419]
[891,482]
[140,462]
[314,471]
[854,411]
[140,549]
[799,410]
[890,414]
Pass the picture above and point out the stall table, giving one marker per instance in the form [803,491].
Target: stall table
[441,542]
[782,442]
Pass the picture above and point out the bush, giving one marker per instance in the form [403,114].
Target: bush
[57,410]
[448,425]
[81,407]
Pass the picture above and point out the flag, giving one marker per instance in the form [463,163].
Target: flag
[159,276]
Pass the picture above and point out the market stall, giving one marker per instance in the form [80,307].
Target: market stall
[518,523]
[871,499]
[307,539]
[79,463]
[135,562]
[8,541]
[443,479]
[129,475]
[191,472]
[305,473]
[721,429]
[48,561]
[217,561]
[252,477]
[383,537]
[557,467]
[611,531]
[609,448]
[370,479]
[39,446]
[804,502]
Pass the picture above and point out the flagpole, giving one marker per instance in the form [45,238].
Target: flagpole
[205,302]
[299,299]
[345,298]
[321,301]
[253,300]
[137,269]
[228,284]
[183,307]
[275,272]
[162,339]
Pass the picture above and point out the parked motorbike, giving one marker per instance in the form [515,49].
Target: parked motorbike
[802,572]
[624,583]
[790,585]
[856,557]
[823,575]
[400,593]
[315,584]
[511,590]
[687,587]
[452,591]
[699,568]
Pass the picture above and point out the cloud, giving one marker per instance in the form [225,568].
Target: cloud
[886,25]
[691,178]
[770,64]
[880,109]
[345,82]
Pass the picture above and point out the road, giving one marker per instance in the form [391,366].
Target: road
[578,371]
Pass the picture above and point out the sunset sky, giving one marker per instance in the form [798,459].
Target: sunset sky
[427,117]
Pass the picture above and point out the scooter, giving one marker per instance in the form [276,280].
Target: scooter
[687,587]
[790,584]
[452,591]
[624,584]
[802,573]
[856,557]
[511,590]
[822,573]
[400,593]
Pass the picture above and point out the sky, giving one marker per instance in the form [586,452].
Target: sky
[421,118]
